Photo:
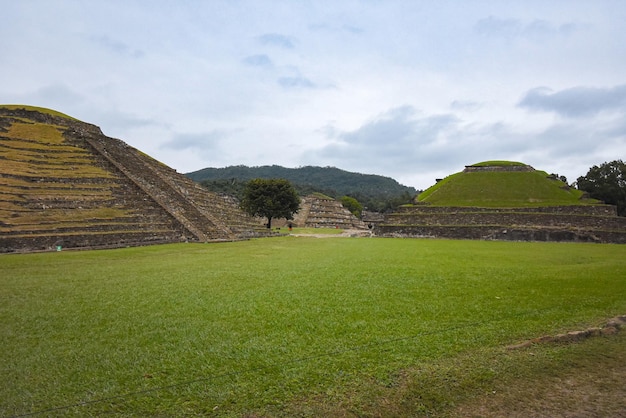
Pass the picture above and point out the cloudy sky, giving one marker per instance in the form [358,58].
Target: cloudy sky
[411,89]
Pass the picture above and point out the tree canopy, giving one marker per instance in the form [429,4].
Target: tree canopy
[606,182]
[270,198]
[352,205]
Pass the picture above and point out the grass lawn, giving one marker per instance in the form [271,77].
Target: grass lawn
[289,325]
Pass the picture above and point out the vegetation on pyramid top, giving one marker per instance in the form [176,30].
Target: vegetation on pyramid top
[321,196]
[511,184]
[37,109]
[497,163]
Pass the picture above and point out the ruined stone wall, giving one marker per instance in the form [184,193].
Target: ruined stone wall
[504,233]
[591,210]
[592,223]
[509,218]
[517,168]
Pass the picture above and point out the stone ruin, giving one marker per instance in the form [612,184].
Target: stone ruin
[64,184]
[562,223]
[318,211]
[576,223]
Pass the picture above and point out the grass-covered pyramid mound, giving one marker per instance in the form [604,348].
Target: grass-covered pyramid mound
[505,200]
[502,184]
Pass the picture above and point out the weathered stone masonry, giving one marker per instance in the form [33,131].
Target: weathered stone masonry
[593,223]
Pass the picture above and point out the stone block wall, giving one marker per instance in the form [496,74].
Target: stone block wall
[584,223]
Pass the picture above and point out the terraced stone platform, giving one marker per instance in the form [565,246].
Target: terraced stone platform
[524,224]
[325,212]
[578,219]
[63,183]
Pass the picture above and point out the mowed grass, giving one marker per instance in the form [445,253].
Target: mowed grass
[286,325]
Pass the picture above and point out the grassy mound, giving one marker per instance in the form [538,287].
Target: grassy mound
[501,188]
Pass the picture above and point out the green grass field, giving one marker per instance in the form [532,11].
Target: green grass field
[288,326]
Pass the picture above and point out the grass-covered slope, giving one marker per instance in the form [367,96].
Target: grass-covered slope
[502,188]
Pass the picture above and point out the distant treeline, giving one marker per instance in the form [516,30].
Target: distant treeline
[374,192]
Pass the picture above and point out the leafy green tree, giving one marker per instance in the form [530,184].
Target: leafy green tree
[352,205]
[558,177]
[607,182]
[270,198]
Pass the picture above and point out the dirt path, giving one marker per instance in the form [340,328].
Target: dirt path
[347,233]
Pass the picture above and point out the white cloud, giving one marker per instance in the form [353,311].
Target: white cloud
[296,82]
[411,90]
[115,46]
[276,39]
[576,101]
[200,142]
[258,60]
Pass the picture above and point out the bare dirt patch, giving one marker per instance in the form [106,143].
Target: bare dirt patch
[347,233]
[566,375]
[592,383]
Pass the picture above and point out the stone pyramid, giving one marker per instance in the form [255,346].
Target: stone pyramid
[64,184]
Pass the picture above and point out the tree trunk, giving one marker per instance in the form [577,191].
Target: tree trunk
[269,222]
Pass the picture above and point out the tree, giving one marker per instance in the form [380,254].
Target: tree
[607,183]
[558,177]
[352,205]
[270,198]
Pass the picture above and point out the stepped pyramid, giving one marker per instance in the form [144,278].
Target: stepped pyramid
[64,184]
[318,211]
[505,200]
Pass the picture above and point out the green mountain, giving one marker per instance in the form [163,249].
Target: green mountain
[502,184]
[377,193]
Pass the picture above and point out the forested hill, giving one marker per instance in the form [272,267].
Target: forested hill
[373,191]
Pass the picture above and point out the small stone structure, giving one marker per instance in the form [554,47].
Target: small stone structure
[372,219]
[324,212]
[482,168]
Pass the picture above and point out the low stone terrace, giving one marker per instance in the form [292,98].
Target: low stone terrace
[588,223]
